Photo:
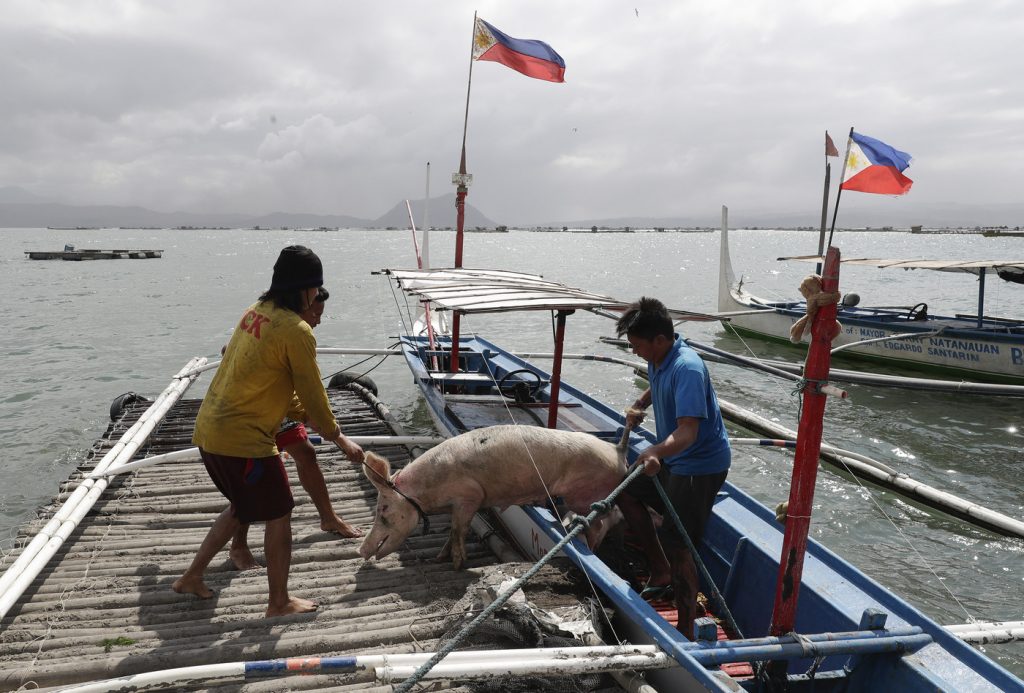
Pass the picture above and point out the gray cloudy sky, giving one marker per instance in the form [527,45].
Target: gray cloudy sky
[669,107]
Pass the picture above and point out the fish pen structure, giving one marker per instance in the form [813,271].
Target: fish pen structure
[103,606]
[93,254]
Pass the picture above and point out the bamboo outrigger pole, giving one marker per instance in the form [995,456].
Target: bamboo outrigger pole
[462,181]
[805,464]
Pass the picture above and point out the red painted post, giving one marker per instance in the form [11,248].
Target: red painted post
[556,369]
[805,465]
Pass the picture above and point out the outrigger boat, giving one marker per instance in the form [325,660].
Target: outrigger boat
[847,633]
[972,347]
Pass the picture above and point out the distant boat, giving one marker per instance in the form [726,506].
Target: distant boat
[977,347]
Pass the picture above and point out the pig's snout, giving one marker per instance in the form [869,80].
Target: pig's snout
[370,548]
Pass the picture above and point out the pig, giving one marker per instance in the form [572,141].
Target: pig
[492,467]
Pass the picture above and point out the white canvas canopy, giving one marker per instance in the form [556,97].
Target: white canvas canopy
[467,290]
[1010,270]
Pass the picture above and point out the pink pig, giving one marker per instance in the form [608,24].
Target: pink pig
[492,467]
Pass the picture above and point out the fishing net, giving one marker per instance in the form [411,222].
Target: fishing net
[514,626]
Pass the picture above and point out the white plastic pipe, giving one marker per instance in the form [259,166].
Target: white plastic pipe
[481,659]
[989,633]
[342,351]
[193,453]
[166,676]
[46,543]
[552,666]
[525,655]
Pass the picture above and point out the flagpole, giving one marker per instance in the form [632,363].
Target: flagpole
[461,180]
[842,178]
[824,213]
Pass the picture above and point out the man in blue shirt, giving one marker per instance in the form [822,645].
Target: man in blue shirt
[691,458]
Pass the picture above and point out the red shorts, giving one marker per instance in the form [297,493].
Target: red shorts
[257,487]
[291,435]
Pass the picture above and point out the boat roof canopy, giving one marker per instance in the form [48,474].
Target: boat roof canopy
[494,291]
[469,290]
[1010,270]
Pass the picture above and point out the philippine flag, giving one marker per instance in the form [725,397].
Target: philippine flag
[873,166]
[532,58]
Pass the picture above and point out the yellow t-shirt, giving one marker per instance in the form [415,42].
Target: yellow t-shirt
[271,357]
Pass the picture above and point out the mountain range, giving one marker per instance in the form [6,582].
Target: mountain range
[21,209]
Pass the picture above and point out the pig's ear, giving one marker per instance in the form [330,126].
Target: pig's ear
[377,470]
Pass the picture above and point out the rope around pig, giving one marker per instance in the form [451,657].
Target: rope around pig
[578,525]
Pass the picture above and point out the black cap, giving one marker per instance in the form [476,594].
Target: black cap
[297,267]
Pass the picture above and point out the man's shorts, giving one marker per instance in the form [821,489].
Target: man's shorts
[693,498]
[289,433]
[257,487]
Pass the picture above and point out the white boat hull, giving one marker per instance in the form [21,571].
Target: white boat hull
[946,345]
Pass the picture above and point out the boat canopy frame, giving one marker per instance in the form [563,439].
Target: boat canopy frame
[464,290]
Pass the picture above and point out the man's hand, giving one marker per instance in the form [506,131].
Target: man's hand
[649,459]
[351,450]
[634,416]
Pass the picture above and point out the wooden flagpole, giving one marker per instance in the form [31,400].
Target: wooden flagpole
[835,212]
[824,202]
[461,180]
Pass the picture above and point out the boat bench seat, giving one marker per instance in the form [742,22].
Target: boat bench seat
[444,376]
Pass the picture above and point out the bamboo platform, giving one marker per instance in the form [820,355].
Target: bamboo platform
[93,254]
[103,606]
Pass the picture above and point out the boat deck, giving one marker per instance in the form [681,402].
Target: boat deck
[103,606]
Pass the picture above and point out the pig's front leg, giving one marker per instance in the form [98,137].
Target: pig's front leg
[462,515]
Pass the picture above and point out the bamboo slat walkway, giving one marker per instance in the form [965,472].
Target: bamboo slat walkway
[103,607]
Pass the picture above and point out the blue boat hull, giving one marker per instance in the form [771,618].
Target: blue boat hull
[741,550]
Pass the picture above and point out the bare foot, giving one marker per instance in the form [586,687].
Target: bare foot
[243,559]
[295,605]
[191,585]
[339,526]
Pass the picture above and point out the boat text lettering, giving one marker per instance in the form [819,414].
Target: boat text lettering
[962,345]
[251,322]
[1017,356]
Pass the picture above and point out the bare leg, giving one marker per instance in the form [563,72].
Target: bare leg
[191,582]
[239,552]
[312,479]
[277,544]
[638,517]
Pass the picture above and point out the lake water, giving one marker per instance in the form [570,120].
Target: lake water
[77,334]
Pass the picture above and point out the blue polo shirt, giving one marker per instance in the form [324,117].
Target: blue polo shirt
[680,386]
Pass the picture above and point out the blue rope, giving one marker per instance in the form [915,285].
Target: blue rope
[578,525]
[715,594]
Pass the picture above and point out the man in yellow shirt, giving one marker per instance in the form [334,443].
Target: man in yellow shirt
[270,357]
[293,439]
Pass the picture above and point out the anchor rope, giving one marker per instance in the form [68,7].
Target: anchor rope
[460,637]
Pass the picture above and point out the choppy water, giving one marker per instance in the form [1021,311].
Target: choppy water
[77,334]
